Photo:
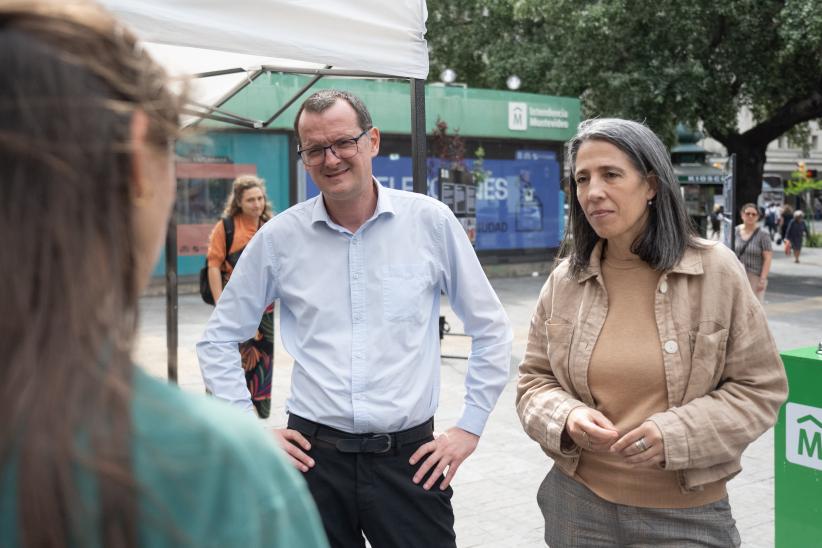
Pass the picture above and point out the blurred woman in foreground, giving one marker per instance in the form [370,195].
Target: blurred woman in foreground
[649,366]
[93,452]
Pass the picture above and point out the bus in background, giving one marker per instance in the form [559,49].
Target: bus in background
[773,191]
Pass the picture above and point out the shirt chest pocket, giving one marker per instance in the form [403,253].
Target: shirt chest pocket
[406,293]
[707,360]
[559,335]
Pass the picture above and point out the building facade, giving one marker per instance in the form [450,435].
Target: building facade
[783,156]
[509,145]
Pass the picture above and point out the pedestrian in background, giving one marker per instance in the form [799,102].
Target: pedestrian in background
[771,219]
[754,249]
[717,216]
[796,230]
[644,406]
[246,210]
[785,219]
[93,451]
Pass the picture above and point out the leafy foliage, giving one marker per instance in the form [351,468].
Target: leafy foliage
[448,147]
[661,62]
[801,185]
[478,169]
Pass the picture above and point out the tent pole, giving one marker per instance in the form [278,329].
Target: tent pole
[211,73]
[294,99]
[418,141]
[327,71]
[220,112]
[251,124]
[252,75]
[171,299]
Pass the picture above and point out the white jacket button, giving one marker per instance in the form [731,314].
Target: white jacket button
[663,287]
[671,347]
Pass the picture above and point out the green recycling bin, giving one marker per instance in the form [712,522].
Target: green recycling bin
[798,453]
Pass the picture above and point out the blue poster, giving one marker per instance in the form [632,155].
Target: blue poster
[518,204]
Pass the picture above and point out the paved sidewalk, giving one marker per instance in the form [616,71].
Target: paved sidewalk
[495,489]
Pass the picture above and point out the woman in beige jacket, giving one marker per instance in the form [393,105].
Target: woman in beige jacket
[650,366]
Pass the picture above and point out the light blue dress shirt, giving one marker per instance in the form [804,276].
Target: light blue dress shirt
[359,313]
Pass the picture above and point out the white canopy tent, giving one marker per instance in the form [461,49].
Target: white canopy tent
[369,35]
[349,38]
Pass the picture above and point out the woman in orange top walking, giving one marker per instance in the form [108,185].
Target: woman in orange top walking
[248,209]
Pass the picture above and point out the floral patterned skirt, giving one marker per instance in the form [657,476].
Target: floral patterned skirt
[257,356]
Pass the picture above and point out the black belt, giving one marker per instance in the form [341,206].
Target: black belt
[361,443]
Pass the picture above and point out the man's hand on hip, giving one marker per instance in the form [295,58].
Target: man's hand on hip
[294,445]
[449,449]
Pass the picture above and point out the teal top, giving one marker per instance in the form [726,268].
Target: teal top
[206,474]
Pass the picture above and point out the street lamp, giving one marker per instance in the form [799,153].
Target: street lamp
[448,76]
[513,82]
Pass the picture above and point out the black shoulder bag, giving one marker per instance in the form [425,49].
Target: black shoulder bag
[205,288]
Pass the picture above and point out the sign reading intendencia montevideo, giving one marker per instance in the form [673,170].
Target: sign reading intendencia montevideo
[547,117]
[803,435]
[522,116]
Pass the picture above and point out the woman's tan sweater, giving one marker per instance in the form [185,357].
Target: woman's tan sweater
[626,377]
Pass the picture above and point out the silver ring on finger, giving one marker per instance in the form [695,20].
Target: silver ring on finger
[587,440]
[641,445]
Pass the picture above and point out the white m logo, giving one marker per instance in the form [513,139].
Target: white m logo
[803,435]
[518,116]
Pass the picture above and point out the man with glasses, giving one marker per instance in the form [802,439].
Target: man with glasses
[359,271]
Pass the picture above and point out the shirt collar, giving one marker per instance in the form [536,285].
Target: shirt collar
[384,206]
[690,263]
[594,268]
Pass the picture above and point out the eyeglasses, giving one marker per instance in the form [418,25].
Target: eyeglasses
[750,214]
[342,149]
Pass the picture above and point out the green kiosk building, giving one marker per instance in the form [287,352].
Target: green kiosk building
[508,145]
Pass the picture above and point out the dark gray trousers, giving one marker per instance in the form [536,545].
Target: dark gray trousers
[575,516]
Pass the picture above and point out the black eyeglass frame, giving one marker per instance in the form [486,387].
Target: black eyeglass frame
[331,148]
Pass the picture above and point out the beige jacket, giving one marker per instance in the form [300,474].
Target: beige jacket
[723,372]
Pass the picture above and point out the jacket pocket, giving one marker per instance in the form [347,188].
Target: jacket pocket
[707,360]
[559,337]
[405,292]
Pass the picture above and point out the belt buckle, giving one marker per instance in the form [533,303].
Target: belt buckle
[387,440]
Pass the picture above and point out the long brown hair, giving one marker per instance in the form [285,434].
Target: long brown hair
[72,78]
[238,187]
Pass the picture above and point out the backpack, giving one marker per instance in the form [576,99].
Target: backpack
[205,289]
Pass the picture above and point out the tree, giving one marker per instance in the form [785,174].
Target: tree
[667,61]
[803,186]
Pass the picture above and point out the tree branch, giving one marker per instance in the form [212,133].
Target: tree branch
[795,111]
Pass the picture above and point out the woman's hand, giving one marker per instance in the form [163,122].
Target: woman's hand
[590,429]
[642,446]
[215,282]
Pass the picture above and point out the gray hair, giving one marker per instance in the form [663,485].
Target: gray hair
[325,99]
[669,230]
